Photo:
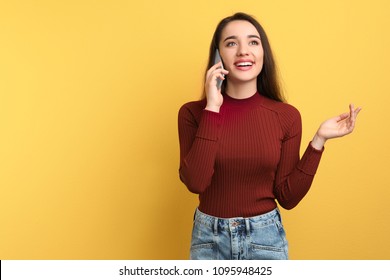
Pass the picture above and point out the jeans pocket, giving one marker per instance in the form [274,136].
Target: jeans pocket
[203,246]
[268,243]
[204,251]
[261,252]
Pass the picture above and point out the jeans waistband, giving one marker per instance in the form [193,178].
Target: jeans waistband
[217,223]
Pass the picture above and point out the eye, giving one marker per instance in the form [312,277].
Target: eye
[230,44]
[254,43]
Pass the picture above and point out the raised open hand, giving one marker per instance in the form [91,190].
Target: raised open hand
[336,127]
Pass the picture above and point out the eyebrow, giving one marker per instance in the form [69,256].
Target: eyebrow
[235,37]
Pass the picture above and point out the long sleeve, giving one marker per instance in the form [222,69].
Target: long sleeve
[198,140]
[295,176]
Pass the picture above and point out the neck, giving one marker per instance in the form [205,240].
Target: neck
[241,90]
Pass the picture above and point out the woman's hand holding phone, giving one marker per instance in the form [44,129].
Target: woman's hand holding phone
[213,92]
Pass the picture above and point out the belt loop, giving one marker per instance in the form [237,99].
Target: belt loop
[248,229]
[215,226]
[278,214]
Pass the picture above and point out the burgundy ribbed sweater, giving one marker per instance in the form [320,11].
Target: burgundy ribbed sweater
[244,157]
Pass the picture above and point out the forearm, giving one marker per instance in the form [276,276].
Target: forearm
[198,149]
[292,188]
[197,168]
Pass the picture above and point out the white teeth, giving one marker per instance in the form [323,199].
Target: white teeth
[242,64]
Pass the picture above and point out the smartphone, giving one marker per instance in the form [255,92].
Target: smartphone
[218,59]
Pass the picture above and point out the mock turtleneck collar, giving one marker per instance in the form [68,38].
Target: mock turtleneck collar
[256,98]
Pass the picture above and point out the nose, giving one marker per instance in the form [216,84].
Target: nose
[242,50]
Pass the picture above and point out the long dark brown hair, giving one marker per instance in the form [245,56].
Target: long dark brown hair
[267,81]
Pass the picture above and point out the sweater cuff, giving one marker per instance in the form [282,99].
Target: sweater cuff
[209,125]
[310,160]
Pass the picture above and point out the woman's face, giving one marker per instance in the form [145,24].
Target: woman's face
[241,51]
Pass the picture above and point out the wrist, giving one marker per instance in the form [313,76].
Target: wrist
[318,142]
[213,108]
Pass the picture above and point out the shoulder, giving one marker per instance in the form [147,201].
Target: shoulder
[286,112]
[289,116]
[192,109]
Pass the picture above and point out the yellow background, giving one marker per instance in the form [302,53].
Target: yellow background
[89,94]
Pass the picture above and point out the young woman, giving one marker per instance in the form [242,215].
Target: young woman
[239,149]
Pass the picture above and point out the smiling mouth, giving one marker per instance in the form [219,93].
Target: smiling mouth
[244,64]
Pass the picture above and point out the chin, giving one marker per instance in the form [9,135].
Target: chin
[244,79]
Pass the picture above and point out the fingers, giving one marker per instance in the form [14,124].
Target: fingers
[216,71]
[347,120]
[352,117]
[213,68]
[342,117]
[354,112]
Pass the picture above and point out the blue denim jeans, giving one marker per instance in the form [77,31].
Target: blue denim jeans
[256,238]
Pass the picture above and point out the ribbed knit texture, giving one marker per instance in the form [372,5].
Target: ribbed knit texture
[241,159]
